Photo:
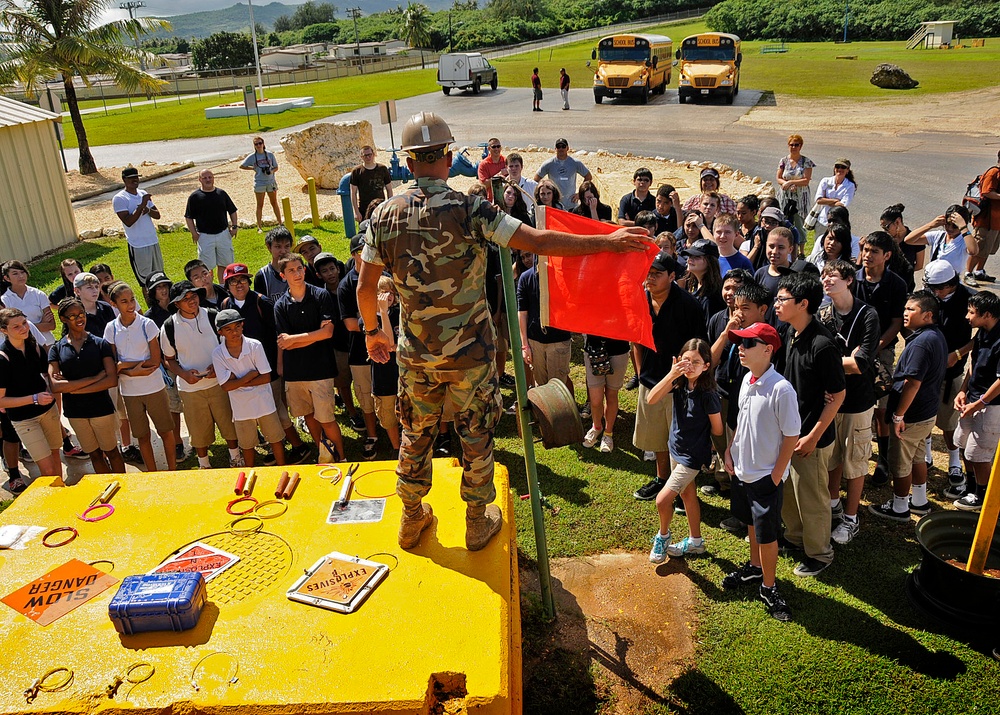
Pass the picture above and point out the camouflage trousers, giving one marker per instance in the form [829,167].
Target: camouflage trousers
[471,398]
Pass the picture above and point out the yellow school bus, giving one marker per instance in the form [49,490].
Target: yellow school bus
[632,66]
[709,66]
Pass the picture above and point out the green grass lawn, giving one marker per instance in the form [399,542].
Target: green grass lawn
[808,69]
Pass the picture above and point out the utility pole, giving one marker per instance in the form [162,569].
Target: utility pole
[132,6]
[355,13]
[256,54]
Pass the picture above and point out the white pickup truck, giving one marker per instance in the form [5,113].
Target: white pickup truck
[465,70]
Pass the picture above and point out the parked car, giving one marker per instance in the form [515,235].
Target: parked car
[465,70]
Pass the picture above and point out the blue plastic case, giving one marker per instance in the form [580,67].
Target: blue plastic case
[158,602]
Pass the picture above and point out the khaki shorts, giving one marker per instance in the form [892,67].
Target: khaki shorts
[96,432]
[680,477]
[41,435]
[853,445]
[979,433]
[947,416]
[215,249]
[116,397]
[987,240]
[362,378]
[203,410]
[155,405]
[278,392]
[270,427]
[550,360]
[385,410]
[619,363]
[312,397]
[652,422]
[905,452]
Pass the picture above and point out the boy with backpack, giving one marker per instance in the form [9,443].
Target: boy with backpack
[985,223]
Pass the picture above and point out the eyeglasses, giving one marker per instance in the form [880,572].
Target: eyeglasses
[562,146]
[495,146]
[839,167]
[795,144]
[258,143]
[779,300]
[747,343]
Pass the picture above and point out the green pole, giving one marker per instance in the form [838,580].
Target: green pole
[537,516]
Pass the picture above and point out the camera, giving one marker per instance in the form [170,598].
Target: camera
[266,170]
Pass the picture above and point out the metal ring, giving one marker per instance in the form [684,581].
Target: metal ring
[372,496]
[109,507]
[103,561]
[385,553]
[269,502]
[135,666]
[46,688]
[237,500]
[332,479]
[51,532]
[243,532]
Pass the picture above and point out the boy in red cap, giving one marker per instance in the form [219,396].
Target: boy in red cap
[767,430]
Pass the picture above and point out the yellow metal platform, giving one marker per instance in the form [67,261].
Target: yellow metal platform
[441,631]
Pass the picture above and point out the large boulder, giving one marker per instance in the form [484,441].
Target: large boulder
[889,76]
[327,151]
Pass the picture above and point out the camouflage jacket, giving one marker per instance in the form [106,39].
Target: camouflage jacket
[432,240]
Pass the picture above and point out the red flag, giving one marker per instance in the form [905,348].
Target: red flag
[598,294]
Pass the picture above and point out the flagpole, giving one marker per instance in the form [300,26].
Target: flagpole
[531,472]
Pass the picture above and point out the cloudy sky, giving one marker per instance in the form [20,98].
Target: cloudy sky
[165,8]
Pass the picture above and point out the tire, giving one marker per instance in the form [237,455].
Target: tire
[662,89]
[731,96]
[644,97]
[446,90]
[476,86]
[736,89]
[598,97]
[493,83]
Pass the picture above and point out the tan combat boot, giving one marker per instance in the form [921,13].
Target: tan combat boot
[413,523]
[481,524]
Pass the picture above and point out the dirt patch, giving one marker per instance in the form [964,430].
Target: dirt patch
[892,116]
[109,178]
[630,625]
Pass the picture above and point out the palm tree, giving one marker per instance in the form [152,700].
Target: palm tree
[416,25]
[63,38]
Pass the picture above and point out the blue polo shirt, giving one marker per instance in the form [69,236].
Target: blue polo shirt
[691,429]
[985,364]
[78,365]
[924,358]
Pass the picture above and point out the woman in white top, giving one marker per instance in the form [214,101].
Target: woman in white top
[948,238]
[836,190]
[30,301]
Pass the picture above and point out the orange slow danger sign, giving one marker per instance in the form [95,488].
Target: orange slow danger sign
[58,592]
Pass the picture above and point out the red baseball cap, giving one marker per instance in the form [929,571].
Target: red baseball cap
[762,331]
[233,270]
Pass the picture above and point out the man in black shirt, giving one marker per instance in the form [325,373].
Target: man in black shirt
[639,200]
[814,367]
[304,319]
[677,317]
[856,330]
[205,215]
[884,291]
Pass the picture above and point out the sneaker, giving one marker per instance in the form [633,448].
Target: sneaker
[810,567]
[512,410]
[956,477]
[237,461]
[686,547]
[632,383]
[338,401]
[983,276]
[956,491]
[300,423]
[442,445]
[786,547]
[268,459]
[411,527]
[880,477]
[179,452]
[357,421]
[887,512]
[971,281]
[837,513]
[75,452]
[970,502]
[607,444]
[585,412]
[845,531]
[261,441]
[747,573]
[776,606]
[648,491]
[649,456]
[297,455]
[922,510]
[716,490]
[132,454]
[679,506]
[591,438]
[733,526]
[24,456]
[507,380]
[658,554]
[370,449]
[16,485]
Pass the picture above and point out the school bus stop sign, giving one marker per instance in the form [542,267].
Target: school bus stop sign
[58,592]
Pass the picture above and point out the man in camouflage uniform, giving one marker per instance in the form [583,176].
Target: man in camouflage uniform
[432,240]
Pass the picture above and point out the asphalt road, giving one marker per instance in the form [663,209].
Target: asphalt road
[926,172]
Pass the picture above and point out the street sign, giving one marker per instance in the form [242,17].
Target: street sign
[387,111]
[249,98]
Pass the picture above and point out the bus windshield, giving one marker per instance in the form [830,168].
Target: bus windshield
[710,54]
[624,54]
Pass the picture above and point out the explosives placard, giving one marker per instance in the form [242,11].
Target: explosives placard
[205,559]
[58,592]
[338,582]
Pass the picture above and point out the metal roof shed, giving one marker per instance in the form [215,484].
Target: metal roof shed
[36,214]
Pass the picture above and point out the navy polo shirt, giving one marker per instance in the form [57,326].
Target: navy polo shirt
[347,298]
[312,362]
[985,364]
[680,319]
[691,430]
[258,323]
[529,301]
[385,375]
[887,297]
[630,205]
[78,365]
[21,375]
[955,327]
[814,367]
[924,358]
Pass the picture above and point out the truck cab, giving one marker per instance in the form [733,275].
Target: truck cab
[465,70]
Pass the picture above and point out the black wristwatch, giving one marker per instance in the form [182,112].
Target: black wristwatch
[376,331]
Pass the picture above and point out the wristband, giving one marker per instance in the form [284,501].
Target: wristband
[34,398]
[374,331]
[896,419]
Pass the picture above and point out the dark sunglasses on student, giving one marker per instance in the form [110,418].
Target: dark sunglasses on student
[747,343]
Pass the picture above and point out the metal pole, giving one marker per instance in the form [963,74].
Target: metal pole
[256,55]
[531,473]
[847,17]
